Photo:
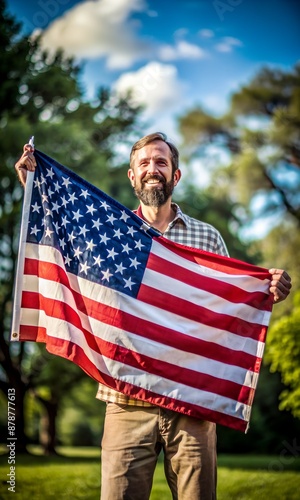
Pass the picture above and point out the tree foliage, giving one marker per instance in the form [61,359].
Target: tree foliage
[284,355]
[261,134]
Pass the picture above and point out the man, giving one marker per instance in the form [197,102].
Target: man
[136,431]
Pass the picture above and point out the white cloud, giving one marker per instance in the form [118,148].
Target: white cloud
[206,33]
[100,28]
[182,50]
[227,44]
[155,85]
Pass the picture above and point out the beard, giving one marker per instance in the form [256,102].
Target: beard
[154,196]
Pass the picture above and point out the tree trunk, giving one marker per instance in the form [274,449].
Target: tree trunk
[48,426]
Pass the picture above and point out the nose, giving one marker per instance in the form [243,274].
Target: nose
[152,167]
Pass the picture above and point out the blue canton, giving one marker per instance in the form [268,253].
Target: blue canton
[99,239]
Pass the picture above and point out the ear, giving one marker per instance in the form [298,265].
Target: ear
[130,175]
[177,176]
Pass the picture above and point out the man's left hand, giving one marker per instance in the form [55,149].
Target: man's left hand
[280,284]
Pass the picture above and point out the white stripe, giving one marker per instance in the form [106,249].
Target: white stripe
[149,313]
[202,298]
[136,343]
[137,377]
[248,283]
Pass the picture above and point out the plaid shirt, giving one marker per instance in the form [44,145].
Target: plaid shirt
[186,231]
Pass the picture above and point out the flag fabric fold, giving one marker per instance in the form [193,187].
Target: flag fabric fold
[172,325]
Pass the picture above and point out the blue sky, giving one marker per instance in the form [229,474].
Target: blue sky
[174,54]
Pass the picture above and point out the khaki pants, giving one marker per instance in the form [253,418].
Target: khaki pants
[133,437]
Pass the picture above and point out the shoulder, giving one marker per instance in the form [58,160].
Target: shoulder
[201,234]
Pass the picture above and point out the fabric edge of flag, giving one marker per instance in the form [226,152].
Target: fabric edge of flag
[17,294]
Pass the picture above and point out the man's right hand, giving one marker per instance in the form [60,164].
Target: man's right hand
[25,163]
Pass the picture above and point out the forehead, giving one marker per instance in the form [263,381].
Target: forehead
[154,149]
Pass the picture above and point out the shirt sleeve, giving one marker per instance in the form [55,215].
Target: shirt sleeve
[221,247]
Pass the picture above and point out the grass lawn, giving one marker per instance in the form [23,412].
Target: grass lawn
[76,474]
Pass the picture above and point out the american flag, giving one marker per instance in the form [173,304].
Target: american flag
[175,326]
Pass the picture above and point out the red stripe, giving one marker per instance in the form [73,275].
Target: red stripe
[64,348]
[160,368]
[232,293]
[139,326]
[214,261]
[201,314]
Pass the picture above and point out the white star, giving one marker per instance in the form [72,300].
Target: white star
[48,232]
[106,275]
[50,192]
[83,230]
[66,181]
[117,234]
[111,253]
[84,268]
[134,263]
[55,207]
[128,283]
[97,223]
[43,180]
[84,193]
[104,205]
[37,183]
[126,248]
[49,212]
[64,221]
[98,260]
[64,201]
[34,230]
[111,218]
[77,215]
[57,226]
[57,186]
[62,243]
[77,252]
[124,216]
[91,209]
[72,197]
[104,239]
[44,198]
[120,268]
[50,173]
[36,208]
[71,237]
[131,231]
[90,245]
[139,245]
[68,260]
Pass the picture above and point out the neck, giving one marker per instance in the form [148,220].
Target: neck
[158,217]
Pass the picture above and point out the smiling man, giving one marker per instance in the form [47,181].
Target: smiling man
[135,431]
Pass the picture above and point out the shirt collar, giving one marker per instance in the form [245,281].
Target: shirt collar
[179,215]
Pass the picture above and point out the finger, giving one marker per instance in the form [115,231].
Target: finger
[28,147]
[279,275]
[279,292]
[26,161]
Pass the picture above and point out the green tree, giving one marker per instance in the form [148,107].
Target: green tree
[260,134]
[284,356]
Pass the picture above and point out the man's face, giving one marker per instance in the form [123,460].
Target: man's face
[151,176]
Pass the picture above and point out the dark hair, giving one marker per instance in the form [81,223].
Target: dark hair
[156,136]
